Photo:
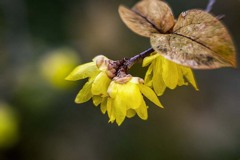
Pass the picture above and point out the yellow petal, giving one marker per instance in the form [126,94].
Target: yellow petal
[131,113]
[100,84]
[101,62]
[113,89]
[99,57]
[181,80]
[148,76]
[83,71]
[142,111]
[149,59]
[170,73]
[103,105]
[119,109]
[110,110]
[109,107]
[187,72]
[158,83]
[130,95]
[97,100]
[85,93]
[148,92]
[112,117]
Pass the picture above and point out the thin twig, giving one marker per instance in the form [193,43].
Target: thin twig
[220,17]
[138,57]
[126,64]
[210,5]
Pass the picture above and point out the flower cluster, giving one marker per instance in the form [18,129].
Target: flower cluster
[121,96]
[176,46]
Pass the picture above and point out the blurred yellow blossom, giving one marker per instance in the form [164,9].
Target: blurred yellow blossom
[163,74]
[57,64]
[8,126]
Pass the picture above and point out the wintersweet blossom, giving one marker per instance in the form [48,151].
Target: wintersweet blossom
[98,79]
[119,97]
[162,74]
[126,99]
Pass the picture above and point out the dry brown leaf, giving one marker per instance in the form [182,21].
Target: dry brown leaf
[147,17]
[199,41]
[157,13]
[136,23]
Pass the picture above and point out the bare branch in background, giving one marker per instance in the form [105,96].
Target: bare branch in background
[210,5]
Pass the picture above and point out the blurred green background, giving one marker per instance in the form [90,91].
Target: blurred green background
[42,40]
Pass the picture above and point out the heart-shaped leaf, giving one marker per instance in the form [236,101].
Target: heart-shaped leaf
[136,23]
[147,17]
[198,40]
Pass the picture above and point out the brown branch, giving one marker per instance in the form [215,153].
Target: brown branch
[210,5]
[126,64]
[138,57]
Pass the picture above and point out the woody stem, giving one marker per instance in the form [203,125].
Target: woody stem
[129,63]
[210,5]
[126,64]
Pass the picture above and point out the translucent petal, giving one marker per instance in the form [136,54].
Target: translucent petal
[101,62]
[112,117]
[170,73]
[149,59]
[83,71]
[100,84]
[187,72]
[142,111]
[131,113]
[99,57]
[148,76]
[85,93]
[130,95]
[148,92]
[113,89]
[181,80]
[158,83]
[103,105]
[97,100]
[111,110]
[120,110]
[109,107]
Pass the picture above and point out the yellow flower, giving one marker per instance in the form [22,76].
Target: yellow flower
[163,74]
[98,79]
[126,99]
[121,95]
